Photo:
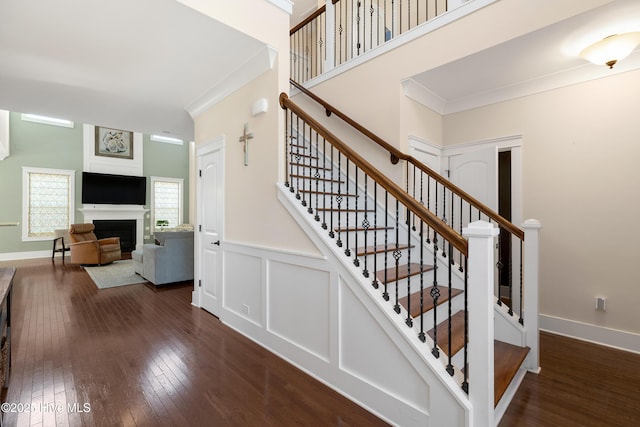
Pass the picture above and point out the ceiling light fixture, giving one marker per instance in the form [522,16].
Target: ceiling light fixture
[167,139]
[611,49]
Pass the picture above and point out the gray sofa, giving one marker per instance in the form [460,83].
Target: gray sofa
[169,260]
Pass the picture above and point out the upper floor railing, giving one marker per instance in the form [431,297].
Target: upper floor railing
[344,29]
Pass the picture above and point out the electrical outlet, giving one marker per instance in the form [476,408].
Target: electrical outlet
[245,309]
[601,304]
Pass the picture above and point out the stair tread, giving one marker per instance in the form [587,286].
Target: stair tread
[394,274]
[335,209]
[507,359]
[427,303]
[319,179]
[457,333]
[349,229]
[327,193]
[369,250]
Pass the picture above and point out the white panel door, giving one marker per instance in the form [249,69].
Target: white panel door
[210,223]
[476,173]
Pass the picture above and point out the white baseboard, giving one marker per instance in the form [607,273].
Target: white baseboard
[615,338]
[13,256]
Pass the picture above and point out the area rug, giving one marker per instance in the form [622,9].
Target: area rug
[118,273]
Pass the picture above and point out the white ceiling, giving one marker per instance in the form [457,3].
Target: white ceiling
[131,65]
[538,61]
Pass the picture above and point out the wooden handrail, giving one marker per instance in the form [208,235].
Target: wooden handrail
[394,189]
[397,154]
[308,19]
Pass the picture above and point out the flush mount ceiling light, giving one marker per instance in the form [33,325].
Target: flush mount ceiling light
[611,49]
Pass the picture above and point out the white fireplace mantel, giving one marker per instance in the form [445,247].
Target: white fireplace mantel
[114,212]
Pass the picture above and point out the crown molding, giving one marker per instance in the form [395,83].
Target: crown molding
[260,63]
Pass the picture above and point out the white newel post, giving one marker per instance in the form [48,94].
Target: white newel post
[481,236]
[330,35]
[531,309]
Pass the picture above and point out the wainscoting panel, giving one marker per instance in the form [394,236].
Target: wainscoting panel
[386,367]
[243,285]
[298,306]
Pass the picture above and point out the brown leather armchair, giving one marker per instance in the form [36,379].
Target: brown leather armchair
[87,249]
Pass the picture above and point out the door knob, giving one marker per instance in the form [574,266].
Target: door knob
[217,243]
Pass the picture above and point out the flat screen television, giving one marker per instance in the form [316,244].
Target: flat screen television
[100,188]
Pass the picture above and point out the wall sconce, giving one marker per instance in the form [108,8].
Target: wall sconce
[611,49]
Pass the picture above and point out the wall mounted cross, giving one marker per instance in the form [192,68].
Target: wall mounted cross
[246,136]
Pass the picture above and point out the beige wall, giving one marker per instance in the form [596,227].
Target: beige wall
[581,180]
[253,214]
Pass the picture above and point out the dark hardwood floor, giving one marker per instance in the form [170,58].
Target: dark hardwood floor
[141,356]
[580,384]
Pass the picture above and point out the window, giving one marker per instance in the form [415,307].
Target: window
[47,202]
[166,202]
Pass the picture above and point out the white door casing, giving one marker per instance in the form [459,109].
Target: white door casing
[210,220]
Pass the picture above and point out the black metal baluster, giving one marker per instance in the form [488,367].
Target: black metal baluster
[435,296]
[356,261]
[413,226]
[333,167]
[347,250]
[375,234]
[444,214]
[461,205]
[429,208]
[324,183]
[385,294]
[521,319]
[288,140]
[449,364]
[339,199]
[409,320]
[365,225]
[298,196]
[397,254]
[422,335]
[317,176]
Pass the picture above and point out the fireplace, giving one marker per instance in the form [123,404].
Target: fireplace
[94,213]
[123,228]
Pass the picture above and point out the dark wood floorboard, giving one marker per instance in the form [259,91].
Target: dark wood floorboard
[581,384]
[143,356]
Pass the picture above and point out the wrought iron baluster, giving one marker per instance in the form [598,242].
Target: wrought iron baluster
[385,294]
[413,226]
[450,311]
[444,213]
[339,199]
[461,205]
[397,254]
[287,147]
[331,214]
[409,320]
[365,225]
[324,183]
[435,296]
[347,250]
[298,159]
[429,208]
[422,336]
[317,176]
[521,319]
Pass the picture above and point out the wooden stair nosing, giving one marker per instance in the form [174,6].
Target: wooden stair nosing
[358,229]
[370,250]
[457,334]
[394,274]
[507,360]
[427,303]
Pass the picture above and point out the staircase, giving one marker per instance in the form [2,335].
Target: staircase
[405,252]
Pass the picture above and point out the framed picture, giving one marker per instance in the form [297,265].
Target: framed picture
[114,143]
